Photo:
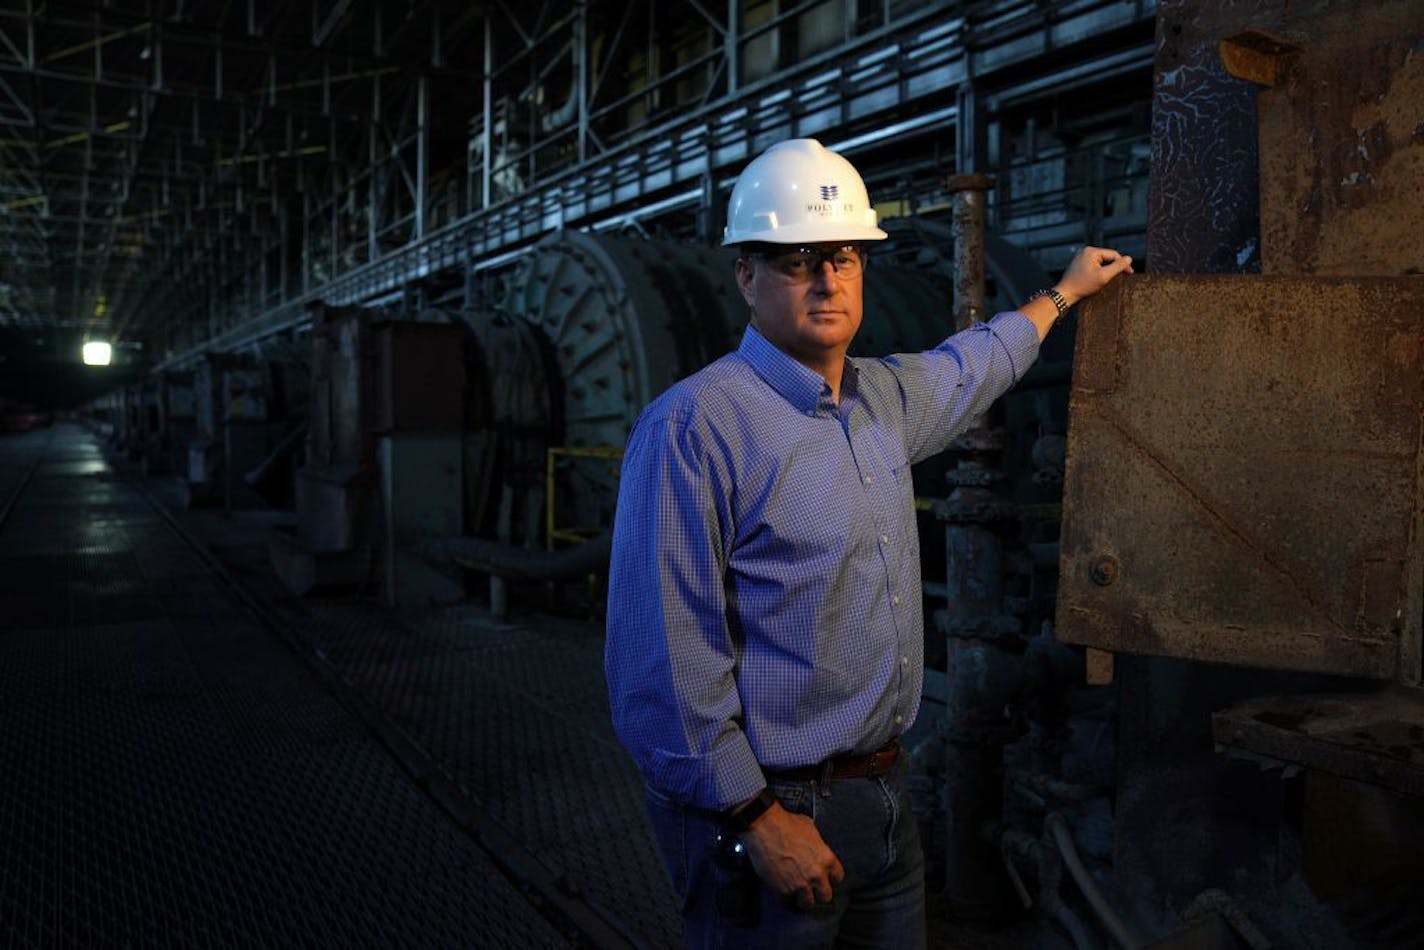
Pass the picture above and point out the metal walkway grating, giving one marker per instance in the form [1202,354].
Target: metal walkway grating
[516,714]
[174,777]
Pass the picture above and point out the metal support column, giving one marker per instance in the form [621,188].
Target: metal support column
[373,198]
[581,54]
[982,675]
[733,45]
[485,163]
[422,152]
[968,193]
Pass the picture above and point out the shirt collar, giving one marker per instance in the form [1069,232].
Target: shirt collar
[799,385]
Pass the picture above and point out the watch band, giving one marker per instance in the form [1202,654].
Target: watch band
[735,823]
[1053,295]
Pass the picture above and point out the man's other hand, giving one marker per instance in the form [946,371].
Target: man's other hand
[789,854]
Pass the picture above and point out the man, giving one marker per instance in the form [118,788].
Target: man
[765,637]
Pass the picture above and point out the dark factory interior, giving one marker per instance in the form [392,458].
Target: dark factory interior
[323,327]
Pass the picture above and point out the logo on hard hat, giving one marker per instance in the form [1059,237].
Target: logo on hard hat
[829,191]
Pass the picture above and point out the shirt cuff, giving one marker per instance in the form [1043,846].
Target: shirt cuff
[728,776]
[1019,338]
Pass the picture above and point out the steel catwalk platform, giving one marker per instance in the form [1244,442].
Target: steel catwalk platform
[193,758]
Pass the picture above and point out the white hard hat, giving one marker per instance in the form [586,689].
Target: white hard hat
[800,192]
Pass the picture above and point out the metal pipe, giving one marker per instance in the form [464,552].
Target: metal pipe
[1014,876]
[1057,827]
[1052,787]
[1082,940]
[488,109]
[422,152]
[981,683]
[1050,882]
[967,198]
[977,665]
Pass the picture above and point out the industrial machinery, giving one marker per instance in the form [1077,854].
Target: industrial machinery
[384,457]
[177,421]
[1175,619]
[1242,514]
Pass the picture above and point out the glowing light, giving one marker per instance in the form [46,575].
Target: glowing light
[97,353]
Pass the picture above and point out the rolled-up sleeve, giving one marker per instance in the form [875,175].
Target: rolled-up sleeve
[669,658]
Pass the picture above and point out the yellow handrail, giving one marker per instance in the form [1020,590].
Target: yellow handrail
[553,531]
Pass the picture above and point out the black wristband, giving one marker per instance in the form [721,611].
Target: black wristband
[736,822]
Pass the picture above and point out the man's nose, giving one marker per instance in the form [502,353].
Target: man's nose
[825,274]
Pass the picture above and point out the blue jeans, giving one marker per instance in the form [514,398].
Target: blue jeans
[867,822]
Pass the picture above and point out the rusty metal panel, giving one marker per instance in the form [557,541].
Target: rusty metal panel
[1242,481]
[1342,143]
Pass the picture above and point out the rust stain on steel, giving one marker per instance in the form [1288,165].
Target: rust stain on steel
[1341,151]
[1216,511]
[1246,451]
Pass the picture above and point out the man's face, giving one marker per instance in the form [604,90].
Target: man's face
[803,304]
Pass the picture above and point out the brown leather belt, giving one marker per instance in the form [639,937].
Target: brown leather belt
[879,762]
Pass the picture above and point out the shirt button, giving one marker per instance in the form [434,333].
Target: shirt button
[885,539]
[904,661]
[895,599]
[870,479]
[899,720]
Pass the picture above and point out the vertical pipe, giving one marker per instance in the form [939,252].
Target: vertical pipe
[422,135]
[333,171]
[967,197]
[981,672]
[283,227]
[581,55]
[734,45]
[982,678]
[485,162]
[306,241]
[372,153]
[264,273]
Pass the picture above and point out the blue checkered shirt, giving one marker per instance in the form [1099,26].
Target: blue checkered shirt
[764,594]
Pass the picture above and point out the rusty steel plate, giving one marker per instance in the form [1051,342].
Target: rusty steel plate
[1342,143]
[1243,473]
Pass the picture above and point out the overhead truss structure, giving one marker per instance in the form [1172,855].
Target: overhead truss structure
[190,175]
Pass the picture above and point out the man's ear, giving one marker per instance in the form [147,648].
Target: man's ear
[745,273]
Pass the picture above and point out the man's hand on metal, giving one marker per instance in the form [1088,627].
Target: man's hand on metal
[789,854]
[1090,270]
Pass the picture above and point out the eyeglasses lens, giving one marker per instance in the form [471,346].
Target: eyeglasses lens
[805,262]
